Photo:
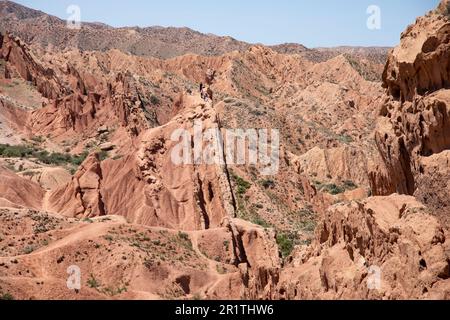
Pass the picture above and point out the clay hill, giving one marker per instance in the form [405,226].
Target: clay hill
[357,210]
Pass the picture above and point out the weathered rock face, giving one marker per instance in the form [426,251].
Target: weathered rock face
[382,248]
[414,121]
[408,133]
[148,188]
[82,196]
[80,101]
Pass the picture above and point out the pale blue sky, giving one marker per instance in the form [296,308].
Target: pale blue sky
[314,23]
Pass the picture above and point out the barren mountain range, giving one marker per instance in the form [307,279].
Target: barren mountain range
[88,179]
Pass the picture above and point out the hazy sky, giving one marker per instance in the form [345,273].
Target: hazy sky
[313,23]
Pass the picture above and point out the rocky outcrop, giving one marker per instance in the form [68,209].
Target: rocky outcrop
[414,122]
[79,100]
[48,178]
[382,248]
[92,104]
[420,64]
[136,202]
[18,192]
[343,163]
[257,258]
[253,253]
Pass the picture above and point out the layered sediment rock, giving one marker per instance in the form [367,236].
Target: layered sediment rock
[382,248]
[21,60]
[414,123]
[18,192]
[148,187]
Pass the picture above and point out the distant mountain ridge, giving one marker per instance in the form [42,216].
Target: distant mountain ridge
[37,27]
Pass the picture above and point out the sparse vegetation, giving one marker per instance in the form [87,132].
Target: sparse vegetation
[43,223]
[362,68]
[260,221]
[28,249]
[29,173]
[115,291]
[43,156]
[345,139]
[285,243]
[349,185]
[268,183]
[242,186]
[88,220]
[335,189]
[154,100]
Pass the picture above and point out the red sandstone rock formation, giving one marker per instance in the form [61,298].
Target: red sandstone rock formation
[135,204]
[393,237]
[414,125]
[146,186]
[17,192]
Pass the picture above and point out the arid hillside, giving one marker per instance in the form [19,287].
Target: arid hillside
[355,205]
[34,26]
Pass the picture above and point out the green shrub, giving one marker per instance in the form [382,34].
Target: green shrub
[260,222]
[53,158]
[184,240]
[7,151]
[183,236]
[103,155]
[221,269]
[38,139]
[29,173]
[285,244]
[78,160]
[333,189]
[6,296]
[154,100]
[330,188]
